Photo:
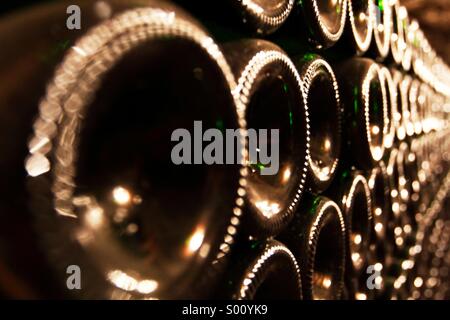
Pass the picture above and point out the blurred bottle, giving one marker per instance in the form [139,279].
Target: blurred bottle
[365,111]
[382,240]
[230,19]
[392,96]
[382,29]
[359,27]
[262,270]
[351,190]
[317,239]
[404,83]
[325,111]
[411,183]
[95,183]
[407,50]
[273,98]
[397,41]
[317,23]
[415,98]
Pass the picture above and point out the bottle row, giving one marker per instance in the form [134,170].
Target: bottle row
[86,149]
[381,30]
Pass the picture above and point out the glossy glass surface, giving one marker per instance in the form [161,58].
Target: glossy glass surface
[271,6]
[276,103]
[325,129]
[360,215]
[148,225]
[331,12]
[377,97]
[329,254]
[379,187]
[361,12]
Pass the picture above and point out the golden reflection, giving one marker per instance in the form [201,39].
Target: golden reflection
[377,153]
[327,145]
[322,280]
[362,17]
[378,267]
[121,196]
[268,209]
[407,228]
[357,239]
[418,282]
[95,217]
[122,280]
[361,296]
[286,175]
[375,130]
[379,227]
[378,212]
[37,164]
[356,258]
[129,283]
[396,207]
[147,286]
[326,282]
[195,241]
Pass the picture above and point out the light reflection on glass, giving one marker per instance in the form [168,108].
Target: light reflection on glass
[95,217]
[286,175]
[268,209]
[121,196]
[195,241]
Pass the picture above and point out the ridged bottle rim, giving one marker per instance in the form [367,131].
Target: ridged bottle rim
[397,37]
[266,19]
[245,82]
[318,223]
[389,138]
[362,44]
[383,42]
[309,72]
[76,79]
[258,270]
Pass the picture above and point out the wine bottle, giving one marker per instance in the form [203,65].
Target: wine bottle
[425,95]
[273,98]
[382,240]
[407,52]
[231,19]
[378,182]
[99,176]
[404,82]
[351,190]
[392,102]
[398,36]
[409,184]
[395,229]
[382,24]
[317,239]
[320,23]
[325,111]
[365,111]
[359,28]
[262,270]
[418,45]
[415,125]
